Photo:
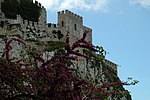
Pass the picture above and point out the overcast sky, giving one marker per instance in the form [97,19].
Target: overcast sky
[122,27]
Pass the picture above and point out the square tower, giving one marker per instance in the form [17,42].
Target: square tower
[69,22]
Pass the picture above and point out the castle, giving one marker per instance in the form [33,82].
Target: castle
[68,22]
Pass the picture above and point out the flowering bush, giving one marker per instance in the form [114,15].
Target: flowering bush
[51,79]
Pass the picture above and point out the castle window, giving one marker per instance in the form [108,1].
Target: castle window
[54,25]
[62,23]
[49,24]
[75,27]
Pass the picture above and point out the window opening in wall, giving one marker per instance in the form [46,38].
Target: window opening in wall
[54,25]
[75,27]
[49,24]
[62,23]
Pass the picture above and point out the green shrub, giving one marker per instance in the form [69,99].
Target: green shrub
[28,10]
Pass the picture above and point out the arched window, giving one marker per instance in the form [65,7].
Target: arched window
[62,23]
[75,27]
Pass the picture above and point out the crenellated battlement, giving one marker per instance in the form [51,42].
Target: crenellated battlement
[38,25]
[70,14]
[39,5]
[30,23]
[24,24]
[51,25]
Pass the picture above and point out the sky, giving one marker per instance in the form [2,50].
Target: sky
[122,27]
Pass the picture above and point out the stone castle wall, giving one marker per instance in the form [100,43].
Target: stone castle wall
[68,22]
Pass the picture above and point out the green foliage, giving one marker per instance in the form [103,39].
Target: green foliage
[31,40]
[28,10]
[53,45]
[99,57]
[10,8]
[131,81]
[2,36]
[58,33]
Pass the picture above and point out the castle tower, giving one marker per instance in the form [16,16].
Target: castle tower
[72,23]
[69,22]
[43,18]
